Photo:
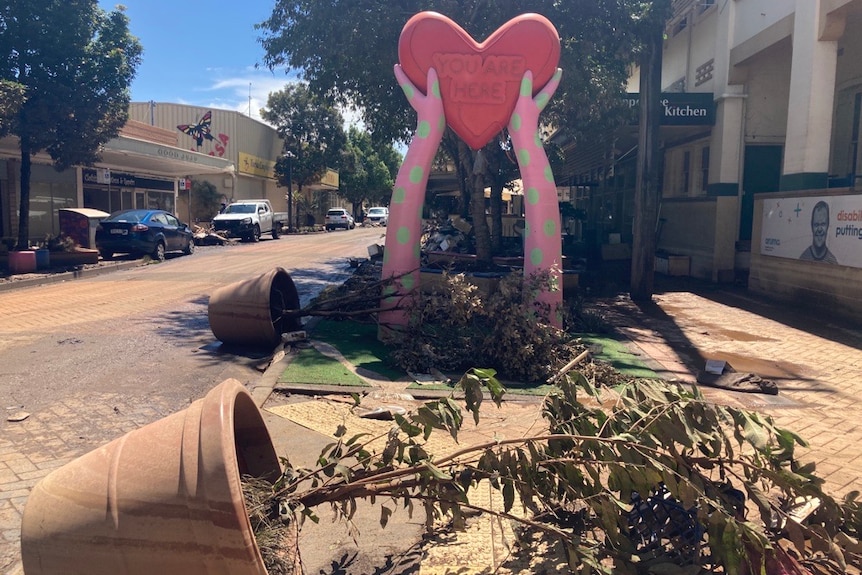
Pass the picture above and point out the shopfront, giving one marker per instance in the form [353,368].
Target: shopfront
[110,191]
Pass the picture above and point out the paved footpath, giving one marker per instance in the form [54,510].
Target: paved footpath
[816,363]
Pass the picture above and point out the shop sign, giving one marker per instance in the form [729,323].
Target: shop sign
[93,177]
[679,108]
[825,229]
[255,166]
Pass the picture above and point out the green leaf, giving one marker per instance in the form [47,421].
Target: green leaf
[385,514]
[437,472]
[508,495]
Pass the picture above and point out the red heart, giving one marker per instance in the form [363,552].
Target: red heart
[479,82]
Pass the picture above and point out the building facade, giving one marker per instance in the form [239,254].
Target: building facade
[159,153]
[250,145]
[740,183]
[141,168]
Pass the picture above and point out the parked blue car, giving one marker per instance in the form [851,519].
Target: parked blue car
[142,232]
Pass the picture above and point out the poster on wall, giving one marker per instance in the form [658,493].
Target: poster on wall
[825,229]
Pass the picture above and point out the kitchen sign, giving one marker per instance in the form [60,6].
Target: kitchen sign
[680,108]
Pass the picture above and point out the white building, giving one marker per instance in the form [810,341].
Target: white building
[778,133]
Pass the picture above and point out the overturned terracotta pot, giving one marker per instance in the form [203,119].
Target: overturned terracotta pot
[164,499]
[250,312]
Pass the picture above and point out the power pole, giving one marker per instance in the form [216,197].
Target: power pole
[647,193]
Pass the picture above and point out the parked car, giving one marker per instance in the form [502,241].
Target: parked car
[378,215]
[153,232]
[339,218]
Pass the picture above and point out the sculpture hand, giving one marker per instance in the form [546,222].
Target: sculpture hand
[428,106]
[525,119]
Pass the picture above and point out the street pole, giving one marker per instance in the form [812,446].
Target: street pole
[289,156]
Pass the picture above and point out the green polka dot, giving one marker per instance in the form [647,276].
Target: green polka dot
[533,196]
[417,251]
[526,88]
[408,91]
[403,236]
[399,194]
[527,229]
[385,257]
[524,158]
[515,122]
[536,257]
[537,139]
[441,123]
[389,290]
[549,174]
[550,228]
[423,130]
[408,281]
[416,173]
[435,89]
[542,100]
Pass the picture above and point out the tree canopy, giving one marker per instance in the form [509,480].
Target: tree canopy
[364,174]
[346,50]
[312,129]
[76,63]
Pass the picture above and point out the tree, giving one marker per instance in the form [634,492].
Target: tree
[364,175]
[206,200]
[76,63]
[647,192]
[347,49]
[647,478]
[312,130]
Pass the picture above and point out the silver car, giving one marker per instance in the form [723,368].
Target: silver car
[339,218]
[378,215]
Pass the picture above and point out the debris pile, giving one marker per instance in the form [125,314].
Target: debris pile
[206,236]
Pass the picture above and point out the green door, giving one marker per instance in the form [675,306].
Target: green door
[761,173]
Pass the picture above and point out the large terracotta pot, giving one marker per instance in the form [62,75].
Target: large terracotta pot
[249,312]
[164,499]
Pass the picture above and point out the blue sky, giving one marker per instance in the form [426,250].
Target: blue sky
[201,53]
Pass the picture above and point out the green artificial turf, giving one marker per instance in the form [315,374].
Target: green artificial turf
[312,367]
[618,355]
[359,345]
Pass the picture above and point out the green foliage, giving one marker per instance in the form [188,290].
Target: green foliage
[584,479]
[453,326]
[76,63]
[206,200]
[12,96]
[313,132]
[364,175]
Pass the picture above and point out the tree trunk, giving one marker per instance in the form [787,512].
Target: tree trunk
[647,194]
[481,233]
[24,205]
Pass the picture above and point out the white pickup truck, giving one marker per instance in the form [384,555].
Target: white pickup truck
[248,219]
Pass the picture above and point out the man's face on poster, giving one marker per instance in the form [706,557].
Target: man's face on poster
[819,227]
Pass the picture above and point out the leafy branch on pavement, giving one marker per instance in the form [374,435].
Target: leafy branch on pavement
[647,475]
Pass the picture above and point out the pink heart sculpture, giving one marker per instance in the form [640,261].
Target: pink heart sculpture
[479,83]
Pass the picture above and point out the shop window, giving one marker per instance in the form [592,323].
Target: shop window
[686,172]
[704,168]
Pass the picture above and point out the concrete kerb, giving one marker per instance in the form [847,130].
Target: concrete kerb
[57,277]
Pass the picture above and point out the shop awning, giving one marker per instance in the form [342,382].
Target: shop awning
[139,156]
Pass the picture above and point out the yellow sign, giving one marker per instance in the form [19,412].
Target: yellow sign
[254,166]
[330,178]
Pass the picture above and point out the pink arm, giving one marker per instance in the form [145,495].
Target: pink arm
[542,235]
[401,256]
